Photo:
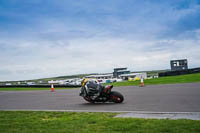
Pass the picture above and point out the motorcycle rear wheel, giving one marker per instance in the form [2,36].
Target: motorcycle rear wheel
[116,97]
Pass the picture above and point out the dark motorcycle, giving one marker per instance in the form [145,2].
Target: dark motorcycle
[104,95]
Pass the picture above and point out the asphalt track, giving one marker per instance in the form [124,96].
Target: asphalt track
[153,98]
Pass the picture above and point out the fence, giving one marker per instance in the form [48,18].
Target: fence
[39,86]
[179,72]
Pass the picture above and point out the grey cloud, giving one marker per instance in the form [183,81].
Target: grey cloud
[94,55]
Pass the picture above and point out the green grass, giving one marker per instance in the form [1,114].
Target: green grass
[70,122]
[188,78]
[30,89]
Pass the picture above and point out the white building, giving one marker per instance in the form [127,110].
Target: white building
[8,84]
[102,76]
[30,83]
[134,75]
[75,81]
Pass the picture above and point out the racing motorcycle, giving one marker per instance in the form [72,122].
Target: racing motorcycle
[104,95]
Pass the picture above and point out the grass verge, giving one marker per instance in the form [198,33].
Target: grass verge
[188,78]
[29,89]
[71,122]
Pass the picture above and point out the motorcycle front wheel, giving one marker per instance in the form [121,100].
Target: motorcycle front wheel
[116,97]
[89,100]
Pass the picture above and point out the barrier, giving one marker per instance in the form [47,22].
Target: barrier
[180,72]
[39,86]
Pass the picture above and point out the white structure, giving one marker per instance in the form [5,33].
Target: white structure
[30,83]
[75,81]
[102,76]
[134,75]
[8,84]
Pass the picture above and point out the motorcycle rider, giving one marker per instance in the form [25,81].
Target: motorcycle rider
[93,87]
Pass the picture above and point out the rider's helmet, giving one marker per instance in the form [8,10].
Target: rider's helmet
[84,81]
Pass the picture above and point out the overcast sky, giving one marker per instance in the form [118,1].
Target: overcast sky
[47,38]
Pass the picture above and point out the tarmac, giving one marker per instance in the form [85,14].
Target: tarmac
[172,101]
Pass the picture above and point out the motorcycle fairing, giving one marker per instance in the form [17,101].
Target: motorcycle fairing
[107,89]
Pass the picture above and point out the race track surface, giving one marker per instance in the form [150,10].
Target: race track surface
[155,98]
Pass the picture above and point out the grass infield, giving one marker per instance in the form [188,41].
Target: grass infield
[188,78]
[71,122]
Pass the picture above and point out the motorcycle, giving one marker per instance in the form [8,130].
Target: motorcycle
[105,95]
